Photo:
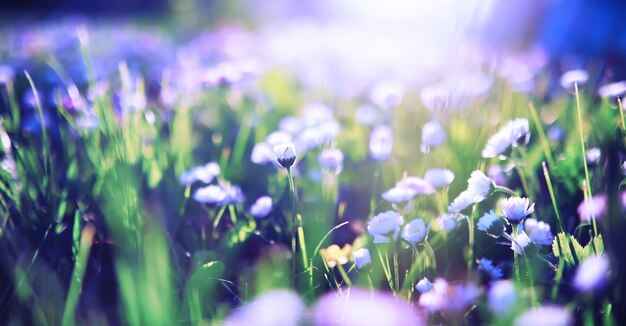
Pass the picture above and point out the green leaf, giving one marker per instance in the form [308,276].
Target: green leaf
[565,248]
[589,248]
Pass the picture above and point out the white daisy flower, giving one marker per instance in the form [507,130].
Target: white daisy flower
[285,154]
[569,78]
[521,244]
[491,224]
[479,184]
[515,209]
[398,194]
[595,207]
[385,227]
[538,231]
[415,231]
[513,133]
[417,185]
[439,177]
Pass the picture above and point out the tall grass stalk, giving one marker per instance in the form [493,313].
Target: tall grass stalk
[582,146]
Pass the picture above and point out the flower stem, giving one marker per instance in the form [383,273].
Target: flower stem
[344,275]
[515,258]
[470,228]
[292,189]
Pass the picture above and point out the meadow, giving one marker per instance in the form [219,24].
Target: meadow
[199,187]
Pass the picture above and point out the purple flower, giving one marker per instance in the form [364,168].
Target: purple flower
[261,207]
[593,155]
[592,274]
[546,315]
[595,207]
[449,299]
[262,310]
[366,115]
[502,297]
[356,307]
